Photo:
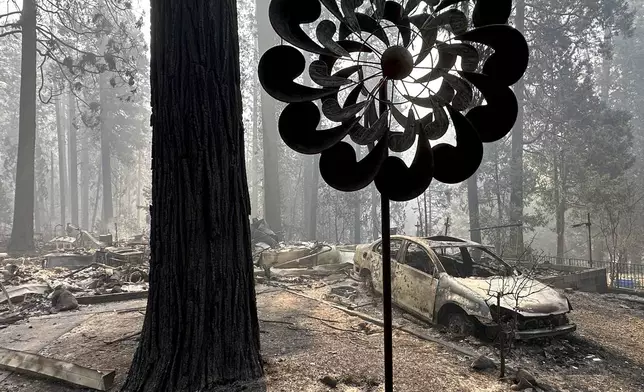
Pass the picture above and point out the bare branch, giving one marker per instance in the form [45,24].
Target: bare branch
[10,13]
[10,33]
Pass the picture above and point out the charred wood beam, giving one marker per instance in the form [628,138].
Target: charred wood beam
[23,362]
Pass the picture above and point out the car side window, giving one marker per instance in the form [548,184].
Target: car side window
[416,257]
[396,244]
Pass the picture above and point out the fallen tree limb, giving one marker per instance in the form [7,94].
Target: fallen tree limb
[380,323]
[13,318]
[131,310]
[339,329]
[321,319]
[277,322]
[268,291]
[126,337]
[105,298]
[23,362]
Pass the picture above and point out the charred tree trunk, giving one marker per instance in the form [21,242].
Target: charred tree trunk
[308,162]
[272,198]
[357,209]
[606,65]
[117,179]
[306,195]
[560,206]
[311,179]
[138,192]
[97,199]
[516,163]
[375,199]
[22,231]
[473,207]
[107,214]
[499,207]
[254,177]
[73,161]
[201,331]
[85,180]
[37,223]
[52,198]
[254,183]
[62,162]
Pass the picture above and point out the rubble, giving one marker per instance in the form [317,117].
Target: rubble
[17,294]
[67,278]
[10,271]
[68,259]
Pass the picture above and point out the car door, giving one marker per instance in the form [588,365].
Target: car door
[374,258]
[415,281]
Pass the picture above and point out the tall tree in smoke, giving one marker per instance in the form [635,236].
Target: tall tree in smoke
[22,233]
[272,199]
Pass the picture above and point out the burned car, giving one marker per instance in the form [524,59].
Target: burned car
[464,286]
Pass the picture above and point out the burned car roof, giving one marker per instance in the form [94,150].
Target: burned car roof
[442,241]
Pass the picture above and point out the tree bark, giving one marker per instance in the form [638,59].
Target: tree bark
[516,163]
[107,213]
[62,162]
[22,231]
[272,198]
[85,180]
[473,207]
[201,331]
[73,161]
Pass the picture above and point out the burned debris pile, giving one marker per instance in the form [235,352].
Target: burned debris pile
[71,272]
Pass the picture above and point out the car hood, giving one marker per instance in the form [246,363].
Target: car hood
[527,297]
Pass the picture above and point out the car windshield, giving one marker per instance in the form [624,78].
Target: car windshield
[471,261]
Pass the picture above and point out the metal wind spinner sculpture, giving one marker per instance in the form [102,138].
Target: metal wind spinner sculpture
[393,75]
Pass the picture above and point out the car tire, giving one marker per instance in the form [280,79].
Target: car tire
[460,324]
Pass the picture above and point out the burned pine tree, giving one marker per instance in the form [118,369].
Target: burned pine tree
[201,330]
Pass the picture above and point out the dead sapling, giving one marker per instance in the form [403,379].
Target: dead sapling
[510,291]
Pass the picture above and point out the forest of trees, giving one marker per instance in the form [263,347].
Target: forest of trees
[74,85]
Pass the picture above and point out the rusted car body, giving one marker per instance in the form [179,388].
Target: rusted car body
[460,284]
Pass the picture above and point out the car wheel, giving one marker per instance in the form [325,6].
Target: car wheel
[460,324]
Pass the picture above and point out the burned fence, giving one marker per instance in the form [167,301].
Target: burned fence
[620,275]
